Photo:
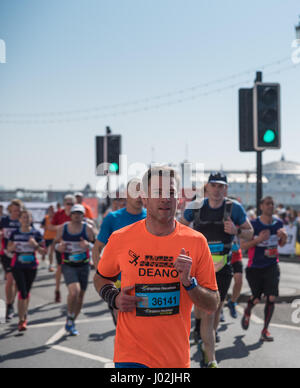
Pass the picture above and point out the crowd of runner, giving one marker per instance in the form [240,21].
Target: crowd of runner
[152,268]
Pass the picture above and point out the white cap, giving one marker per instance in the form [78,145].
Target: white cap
[78,208]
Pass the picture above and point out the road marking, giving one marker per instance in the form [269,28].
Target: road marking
[285,326]
[56,337]
[108,363]
[74,352]
[60,323]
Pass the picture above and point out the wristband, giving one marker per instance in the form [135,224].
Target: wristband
[194,284]
[109,293]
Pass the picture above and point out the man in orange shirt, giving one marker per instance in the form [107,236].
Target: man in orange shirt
[166,268]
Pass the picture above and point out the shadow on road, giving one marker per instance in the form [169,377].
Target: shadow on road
[238,350]
[21,354]
[101,337]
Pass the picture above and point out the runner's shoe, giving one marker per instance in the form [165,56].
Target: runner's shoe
[10,311]
[71,329]
[266,336]
[245,321]
[74,332]
[232,308]
[212,365]
[22,326]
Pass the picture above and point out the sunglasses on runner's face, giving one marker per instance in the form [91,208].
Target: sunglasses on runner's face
[69,204]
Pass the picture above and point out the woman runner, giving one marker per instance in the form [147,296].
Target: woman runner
[24,243]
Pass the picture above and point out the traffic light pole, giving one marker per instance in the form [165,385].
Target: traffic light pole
[259,183]
[108,132]
[259,169]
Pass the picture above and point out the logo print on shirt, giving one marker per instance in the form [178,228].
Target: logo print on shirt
[135,258]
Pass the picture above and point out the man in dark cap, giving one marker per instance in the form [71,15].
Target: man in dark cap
[219,220]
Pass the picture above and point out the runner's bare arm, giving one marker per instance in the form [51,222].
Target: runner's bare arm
[282,235]
[97,248]
[90,232]
[100,282]
[246,231]
[205,299]
[263,236]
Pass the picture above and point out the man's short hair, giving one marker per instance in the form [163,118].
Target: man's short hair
[264,199]
[17,202]
[160,171]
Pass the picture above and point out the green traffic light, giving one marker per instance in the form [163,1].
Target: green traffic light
[269,136]
[114,167]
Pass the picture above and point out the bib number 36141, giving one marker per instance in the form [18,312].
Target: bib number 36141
[158,299]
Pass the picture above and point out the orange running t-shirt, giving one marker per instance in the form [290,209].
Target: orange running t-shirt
[157,332]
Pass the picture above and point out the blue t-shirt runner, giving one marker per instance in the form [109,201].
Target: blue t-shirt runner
[113,222]
[118,220]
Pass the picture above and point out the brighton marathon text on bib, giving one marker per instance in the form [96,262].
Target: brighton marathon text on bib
[158,299]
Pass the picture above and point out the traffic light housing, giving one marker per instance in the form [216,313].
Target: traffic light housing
[108,150]
[99,150]
[113,153]
[266,116]
[246,120]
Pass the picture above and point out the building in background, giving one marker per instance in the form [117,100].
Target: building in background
[281,180]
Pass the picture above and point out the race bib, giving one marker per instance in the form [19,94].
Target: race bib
[77,257]
[26,259]
[271,253]
[158,299]
[216,248]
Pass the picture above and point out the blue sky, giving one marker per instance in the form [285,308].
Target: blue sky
[75,66]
